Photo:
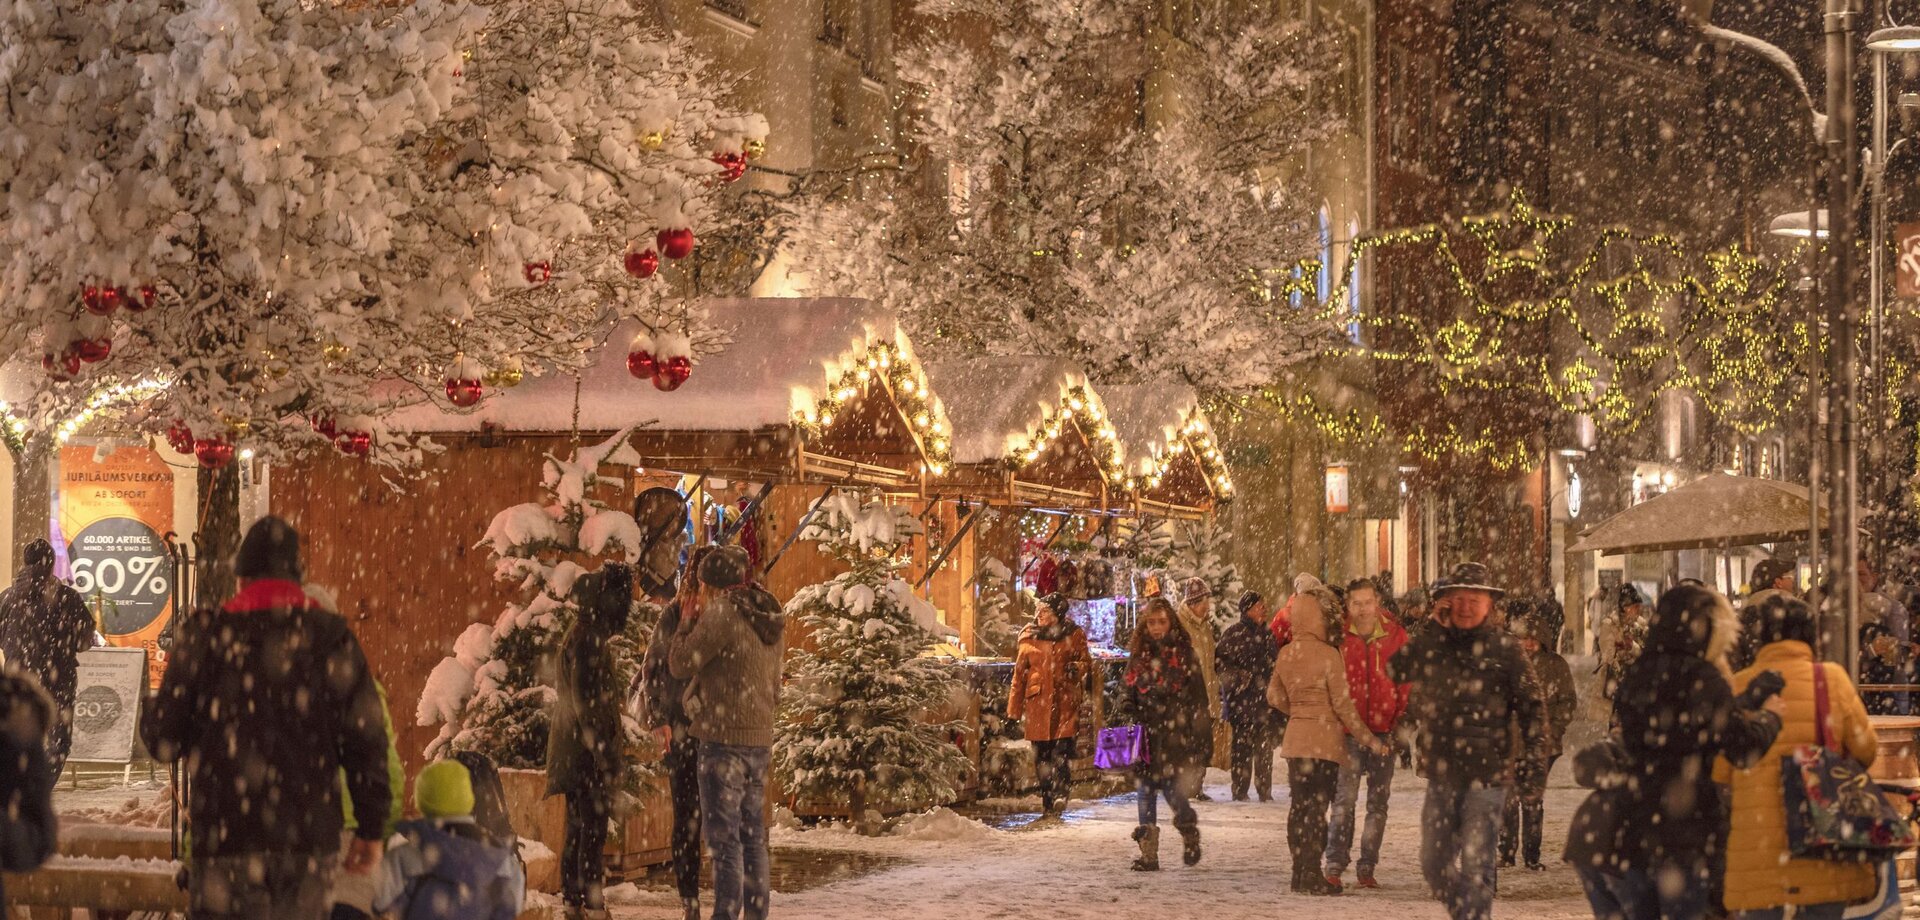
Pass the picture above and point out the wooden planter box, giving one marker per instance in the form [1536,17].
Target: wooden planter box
[643,840]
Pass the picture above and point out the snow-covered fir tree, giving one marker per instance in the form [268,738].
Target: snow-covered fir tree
[1072,219]
[1200,548]
[994,632]
[853,723]
[492,694]
[275,205]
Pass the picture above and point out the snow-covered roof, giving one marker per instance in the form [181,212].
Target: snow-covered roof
[789,356]
[1159,421]
[1715,510]
[1005,409]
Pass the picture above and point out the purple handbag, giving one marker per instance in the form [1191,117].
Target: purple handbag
[1120,747]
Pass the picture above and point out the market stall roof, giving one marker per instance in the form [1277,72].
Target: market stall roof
[1714,511]
[833,381]
[1174,465]
[1030,428]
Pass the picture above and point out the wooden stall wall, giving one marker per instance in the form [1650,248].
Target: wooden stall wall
[402,561]
[803,563]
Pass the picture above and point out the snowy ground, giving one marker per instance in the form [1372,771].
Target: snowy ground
[1079,869]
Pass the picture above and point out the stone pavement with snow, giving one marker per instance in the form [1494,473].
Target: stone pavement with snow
[951,866]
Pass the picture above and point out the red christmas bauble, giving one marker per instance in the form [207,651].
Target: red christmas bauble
[675,243]
[148,297]
[672,373]
[324,426]
[90,297]
[180,438]
[537,272]
[354,443]
[732,165]
[104,301]
[93,351]
[63,366]
[643,264]
[642,364]
[464,393]
[213,453]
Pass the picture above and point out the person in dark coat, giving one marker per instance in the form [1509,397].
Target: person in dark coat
[28,830]
[585,740]
[44,626]
[1538,631]
[1166,694]
[265,701]
[1646,841]
[662,516]
[1244,663]
[1474,691]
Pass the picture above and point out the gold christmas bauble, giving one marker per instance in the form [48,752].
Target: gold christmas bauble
[335,350]
[506,378]
[653,140]
[755,149]
[239,427]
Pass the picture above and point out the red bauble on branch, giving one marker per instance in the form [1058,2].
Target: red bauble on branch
[93,351]
[213,453]
[675,243]
[180,437]
[643,264]
[462,381]
[354,443]
[732,165]
[63,366]
[147,297]
[101,300]
[672,373]
[537,272]
[641,362]
[324,426]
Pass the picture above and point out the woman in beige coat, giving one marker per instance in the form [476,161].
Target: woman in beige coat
[1310,686]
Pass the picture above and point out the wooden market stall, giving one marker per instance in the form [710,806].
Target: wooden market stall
[812,393]
[1174,465]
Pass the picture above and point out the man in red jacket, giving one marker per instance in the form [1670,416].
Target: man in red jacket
[1371,640]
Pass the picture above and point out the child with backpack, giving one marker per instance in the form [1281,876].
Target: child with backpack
[447,866]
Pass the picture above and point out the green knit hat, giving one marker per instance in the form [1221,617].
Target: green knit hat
[444,790]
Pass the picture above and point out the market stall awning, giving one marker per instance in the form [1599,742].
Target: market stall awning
[811,389]
[1174,464]
[1717,510]
[1030,430]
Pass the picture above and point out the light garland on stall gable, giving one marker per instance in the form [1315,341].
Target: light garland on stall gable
[1081,408]
[1195,432]
[906,382]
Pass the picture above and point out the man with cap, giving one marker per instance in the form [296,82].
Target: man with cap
[1244,663]
[44,626]
[1196,615]
[448,867]
[1770,578]
[1475,689]
[1623,635]
[265,701]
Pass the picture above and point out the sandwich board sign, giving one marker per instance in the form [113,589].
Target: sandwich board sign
[107,704]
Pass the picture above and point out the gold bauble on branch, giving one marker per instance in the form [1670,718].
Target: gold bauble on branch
[755,148]
[506,376]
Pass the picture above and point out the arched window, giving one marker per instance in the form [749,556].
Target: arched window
[1326,254]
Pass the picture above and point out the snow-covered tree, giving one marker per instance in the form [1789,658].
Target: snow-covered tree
[994,605]
[1072,220]
[1201,549]
[855,724]
[492,694]
[294,211]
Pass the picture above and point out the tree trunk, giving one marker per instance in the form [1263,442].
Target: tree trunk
[219,536]
[857,803]
[32,494]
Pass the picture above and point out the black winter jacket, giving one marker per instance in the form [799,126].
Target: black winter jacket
[1244,661]
[1474,690]
[28,830]
[265,701]
[586,744]
[44,626]
[1167,696]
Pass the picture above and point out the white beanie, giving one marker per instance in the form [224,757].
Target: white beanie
[1304,584]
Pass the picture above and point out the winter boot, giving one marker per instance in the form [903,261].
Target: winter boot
[1149,840]
[690,908]
[1313,882]
[1190,845]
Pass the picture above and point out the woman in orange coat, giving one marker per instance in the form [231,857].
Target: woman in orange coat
[1049,679]
[1762,878]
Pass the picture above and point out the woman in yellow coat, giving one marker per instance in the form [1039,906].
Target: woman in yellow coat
[1761,876]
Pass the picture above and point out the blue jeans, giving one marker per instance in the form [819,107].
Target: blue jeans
[1637,895]
[1377,770]
[1829,911]
[1460,831]
[1150,787]
[733,802]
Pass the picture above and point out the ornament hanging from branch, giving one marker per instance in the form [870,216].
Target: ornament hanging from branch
[643,264]
[462,382]
[674,362]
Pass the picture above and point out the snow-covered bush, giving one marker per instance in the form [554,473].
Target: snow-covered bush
[854,723]
[492,695]
[1200,549]
[995,604]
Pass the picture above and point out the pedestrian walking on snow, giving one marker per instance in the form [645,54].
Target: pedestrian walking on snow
[1244,662]
[1646,841]
[1622,635]
[265,701]
[1050,673]
[1371,641]
[1196,617]
[1539,634]
[44,626]
[1310,685]
[662,516]
[28,830]
[586,742]
[1475,689]
[1166,695]
[730,658]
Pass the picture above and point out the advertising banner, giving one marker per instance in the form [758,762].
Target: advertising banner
[114,510]
[107,705]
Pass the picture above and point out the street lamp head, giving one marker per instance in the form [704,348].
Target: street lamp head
[1794,224]
[1895,40]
